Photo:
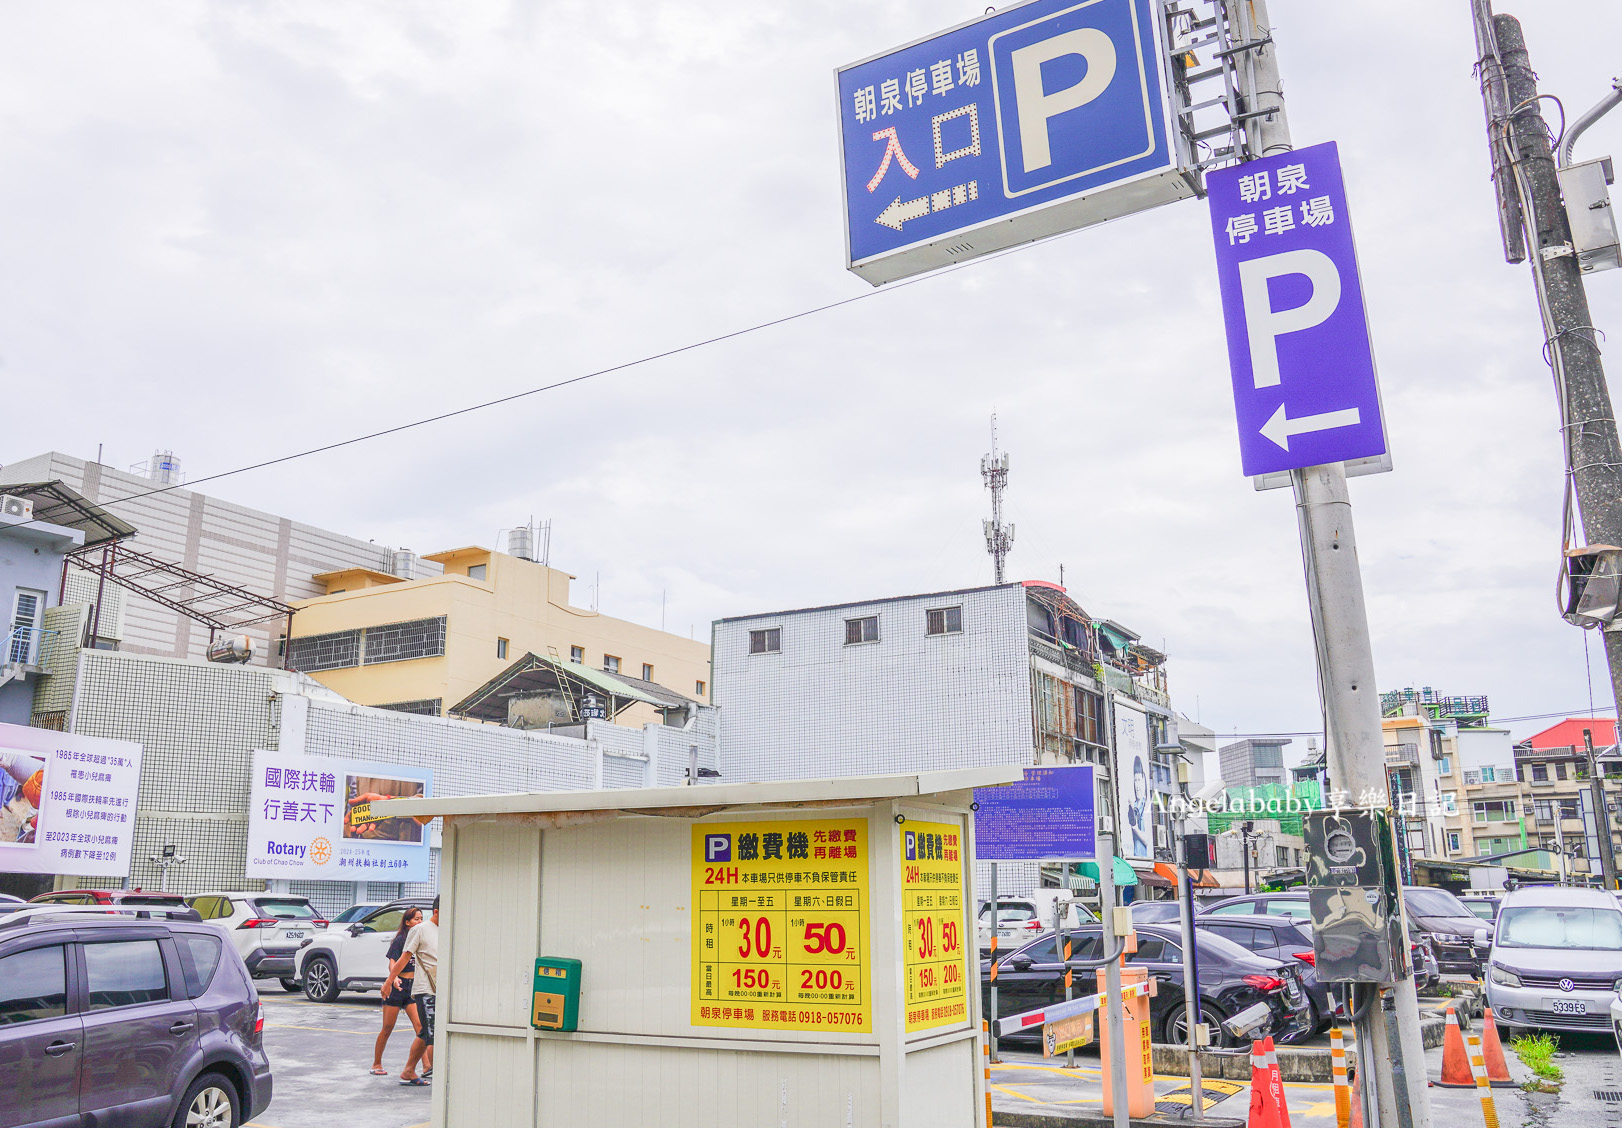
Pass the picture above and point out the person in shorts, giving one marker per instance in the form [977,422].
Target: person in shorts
[397,991]
[422,947]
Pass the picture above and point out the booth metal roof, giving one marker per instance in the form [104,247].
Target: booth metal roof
[711,797]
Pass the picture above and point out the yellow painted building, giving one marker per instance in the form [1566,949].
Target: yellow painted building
[423,645]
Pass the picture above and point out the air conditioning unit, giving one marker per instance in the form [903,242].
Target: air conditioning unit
[13,506]
[1106,824]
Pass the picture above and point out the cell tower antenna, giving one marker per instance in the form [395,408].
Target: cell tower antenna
[999,537]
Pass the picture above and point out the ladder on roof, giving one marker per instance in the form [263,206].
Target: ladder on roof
[563,684]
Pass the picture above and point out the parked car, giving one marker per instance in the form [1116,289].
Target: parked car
[1435,917]
[112,1019]
[1022,917]
[1556,961]
[1280,938]
[1440,917]
[1293,905]
[355,912]
[266,929]
[353,956]
[1155,912]
[1231,979]
[122,897]
[7,898]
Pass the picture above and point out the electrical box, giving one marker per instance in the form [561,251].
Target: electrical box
[1586,190]
[1357,933]
[557,994]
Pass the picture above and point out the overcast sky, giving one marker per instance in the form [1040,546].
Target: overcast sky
[240,230]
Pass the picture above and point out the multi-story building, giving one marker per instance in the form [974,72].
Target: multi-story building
[37,529]
[1554,777]
[1425,771]
[1254,762]
[422,645]
[1016,673]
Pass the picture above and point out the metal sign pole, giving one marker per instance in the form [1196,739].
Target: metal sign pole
[1340,620]
[1191,985]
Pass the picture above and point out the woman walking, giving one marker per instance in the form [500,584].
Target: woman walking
[400,997]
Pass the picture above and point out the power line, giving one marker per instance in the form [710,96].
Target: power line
[689,347]
[1600,709]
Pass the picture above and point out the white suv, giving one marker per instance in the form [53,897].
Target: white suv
[265,928]
[353,956]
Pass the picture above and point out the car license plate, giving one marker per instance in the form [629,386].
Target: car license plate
[1568,1006]
[294,935]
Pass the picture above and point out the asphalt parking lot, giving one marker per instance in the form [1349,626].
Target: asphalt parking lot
[321,1054]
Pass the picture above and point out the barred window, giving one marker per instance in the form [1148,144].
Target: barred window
[944,620]
[768,641]
[861,630]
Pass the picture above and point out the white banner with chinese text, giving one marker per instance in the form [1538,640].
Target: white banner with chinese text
[314,818]
[67,803]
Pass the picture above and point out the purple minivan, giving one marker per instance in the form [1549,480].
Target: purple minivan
[106,1017]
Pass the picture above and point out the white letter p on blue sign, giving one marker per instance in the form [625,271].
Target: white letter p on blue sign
[1036,106]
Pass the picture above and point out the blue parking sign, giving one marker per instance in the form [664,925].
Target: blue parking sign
[1043,117]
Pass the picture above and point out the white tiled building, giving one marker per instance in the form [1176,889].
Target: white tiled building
[1009,674]
[269,555]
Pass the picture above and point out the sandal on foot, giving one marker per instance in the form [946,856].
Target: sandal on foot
[380,1073]
[412,1081]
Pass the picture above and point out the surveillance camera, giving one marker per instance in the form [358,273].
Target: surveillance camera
[1249,1021]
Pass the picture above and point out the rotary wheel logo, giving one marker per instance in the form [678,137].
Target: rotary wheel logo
[320,851]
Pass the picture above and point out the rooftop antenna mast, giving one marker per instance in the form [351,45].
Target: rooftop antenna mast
[999,537]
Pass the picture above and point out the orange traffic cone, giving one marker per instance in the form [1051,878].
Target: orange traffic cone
[1355,1118]
[1493,1050]
[1263,1109]
[1455,1059]
[1277,1080]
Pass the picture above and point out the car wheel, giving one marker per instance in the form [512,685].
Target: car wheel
[320,980]
[1213,1017]
[288,984]
[211,1102]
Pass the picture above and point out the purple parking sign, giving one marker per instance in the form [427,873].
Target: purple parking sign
[1304,386]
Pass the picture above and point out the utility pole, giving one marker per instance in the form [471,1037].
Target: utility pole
[1602,814]
[1533,218]
[1355,755]
[999,537]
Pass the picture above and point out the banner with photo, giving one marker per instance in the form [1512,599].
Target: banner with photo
[314,818]
[1134,787]
[67,803]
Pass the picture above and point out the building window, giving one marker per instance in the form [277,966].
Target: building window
[476,571]
[1579,769]
[401,642]
[698,689]
[944,620]
[1089,716]
[768,641]
[577,653]
[1493,810]
[1540,773]
[1453,844]
[1281,856]
[1560,770]
[611,663]
[647,672]
[501,648]
[1444,766]
[862,630]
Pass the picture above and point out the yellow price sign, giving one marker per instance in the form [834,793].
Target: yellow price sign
[780,928]
[935,955]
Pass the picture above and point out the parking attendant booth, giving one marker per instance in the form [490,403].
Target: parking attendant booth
[798,954]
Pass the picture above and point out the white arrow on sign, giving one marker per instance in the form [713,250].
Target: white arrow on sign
[897,213]
[1280,427]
